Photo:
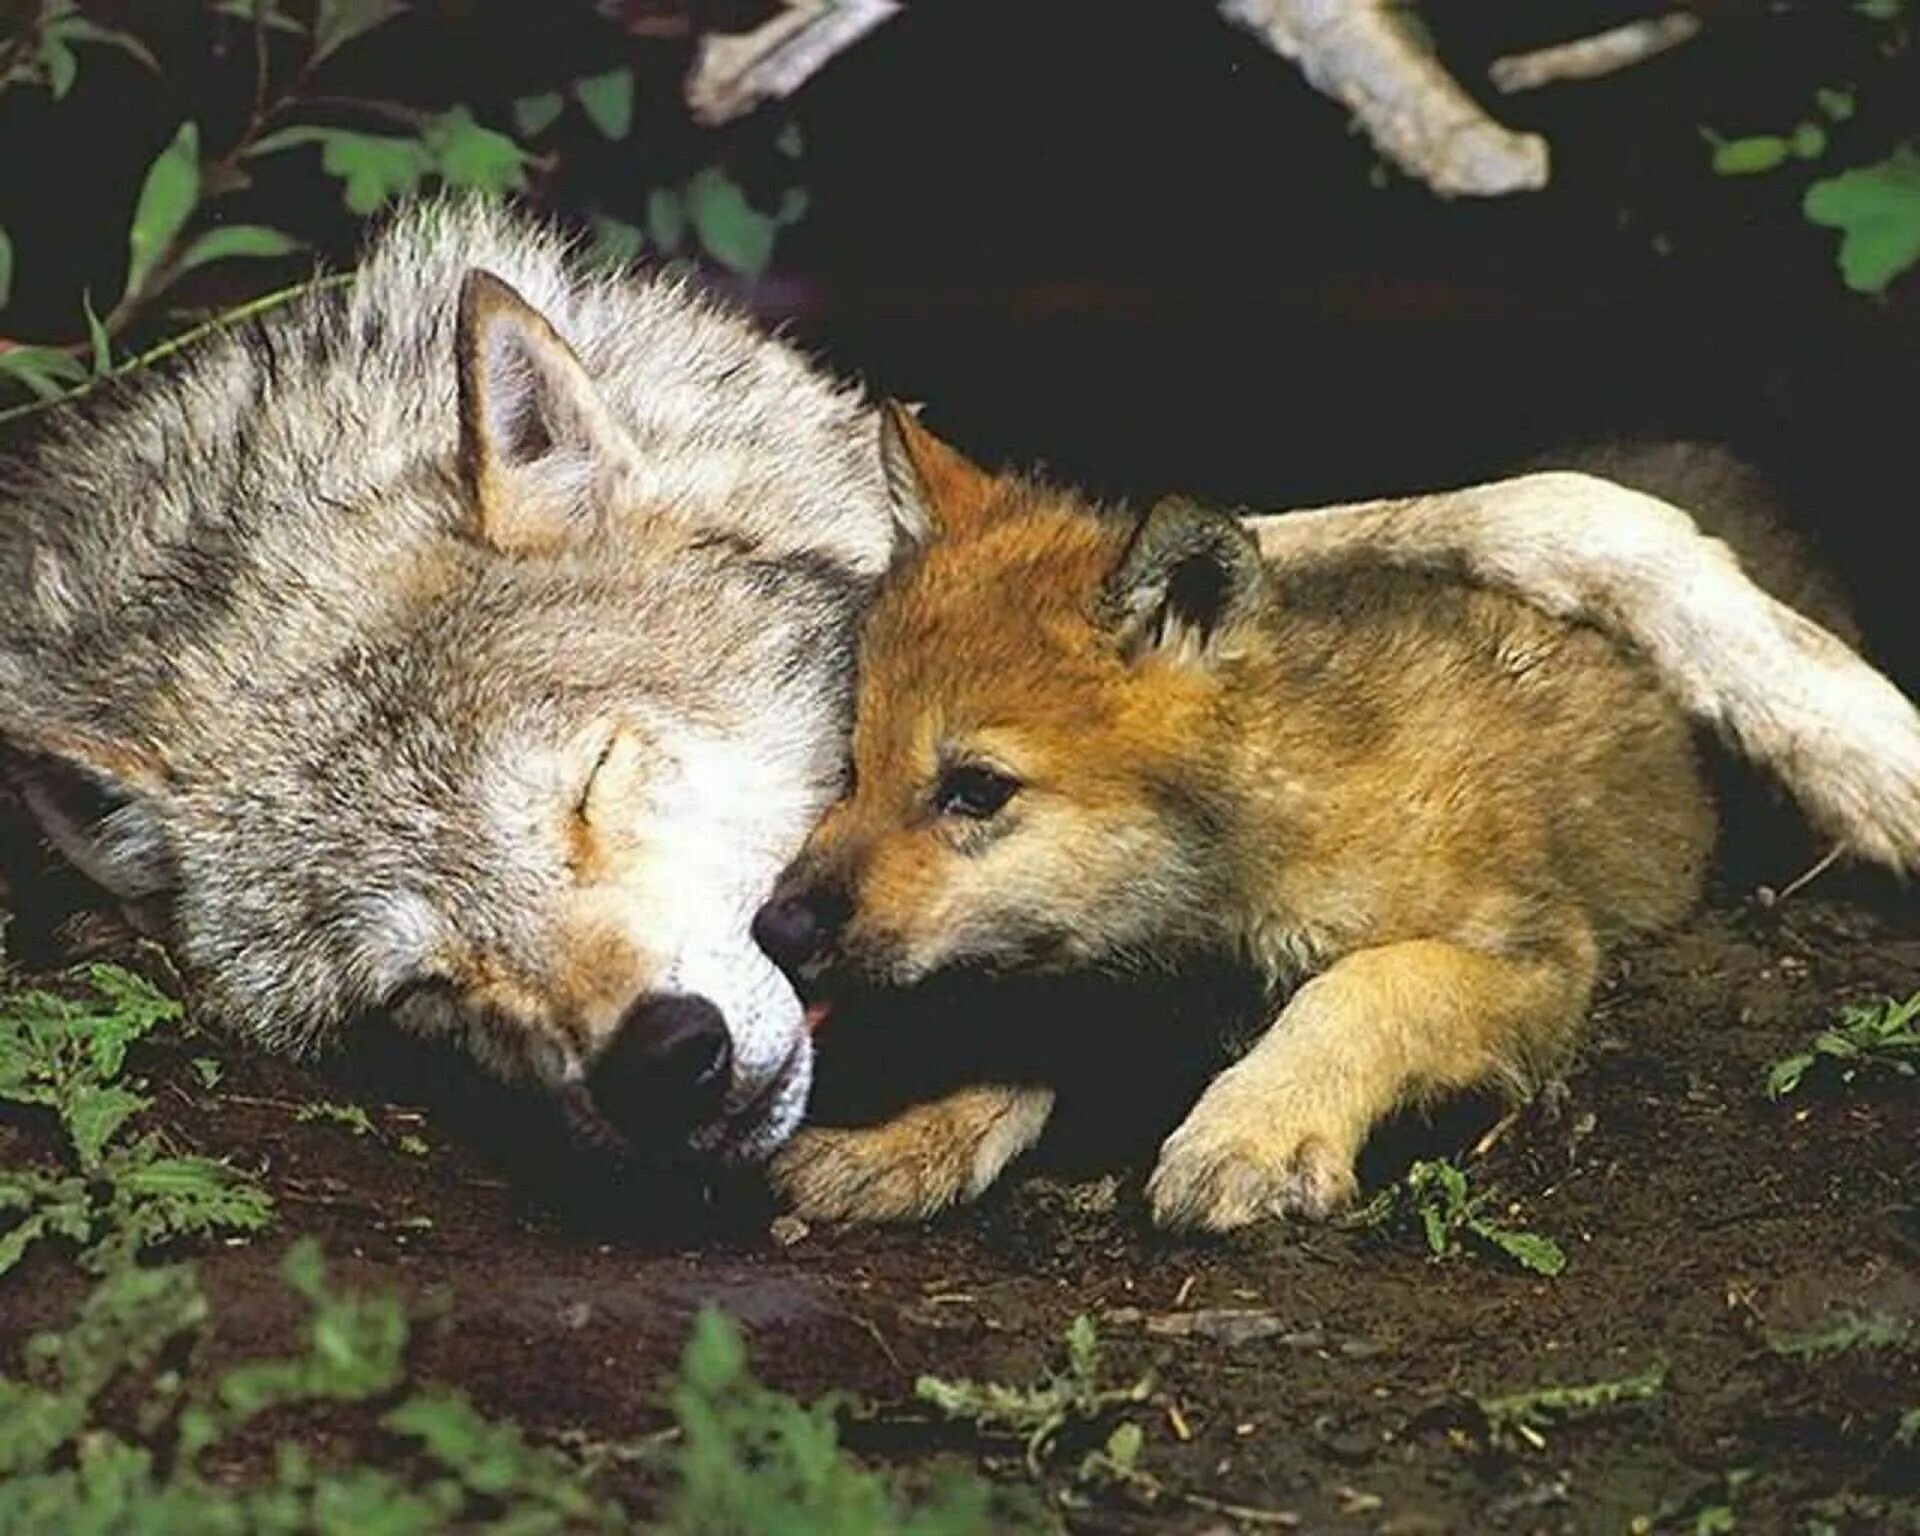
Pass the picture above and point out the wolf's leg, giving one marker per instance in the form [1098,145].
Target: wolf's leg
[924,1159]
[1786,692]
[1278,1132]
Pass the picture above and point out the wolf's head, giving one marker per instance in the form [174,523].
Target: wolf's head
[1043,747]
[461,670]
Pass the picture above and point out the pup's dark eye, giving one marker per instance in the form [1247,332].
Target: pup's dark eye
[970,789]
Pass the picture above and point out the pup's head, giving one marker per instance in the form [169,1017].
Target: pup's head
[1044,741]
[504,741]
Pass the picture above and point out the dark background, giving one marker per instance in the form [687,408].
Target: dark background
[1126,240]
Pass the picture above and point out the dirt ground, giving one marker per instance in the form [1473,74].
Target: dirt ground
[1322,1374]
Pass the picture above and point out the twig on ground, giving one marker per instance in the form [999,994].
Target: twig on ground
[1603,53]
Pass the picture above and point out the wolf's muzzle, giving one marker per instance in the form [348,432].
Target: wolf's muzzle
[797,927]
[666,1069]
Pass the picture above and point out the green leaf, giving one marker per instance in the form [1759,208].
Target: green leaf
[1540,1254]
[534,115]
[715,1358]
[666,218]
[47,371]
[789,142]
[1750,156]
[731,230]
[208,1070]
[338,22]
[236,240]
[93,1114]
[265,10]
[473,157]
[6,266]
[1877,210]
[62,68]
[374,167]
[1809,141]
[97,335]
[1881,10]
[793,206]
[79,29]
[608,101]
[167,200]
[1838,104]
[615,242]
[1785,1074]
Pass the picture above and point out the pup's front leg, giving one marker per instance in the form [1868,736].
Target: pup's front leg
[924,1159]
[1278,1132]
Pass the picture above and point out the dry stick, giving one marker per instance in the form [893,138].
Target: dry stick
[733,73]
[165,349]
[1588,58]
[1358,52]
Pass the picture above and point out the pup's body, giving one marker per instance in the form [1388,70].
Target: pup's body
[1421,810]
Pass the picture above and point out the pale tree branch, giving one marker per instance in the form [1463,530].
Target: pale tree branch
[734,73]
[1587,58]
[1361,54]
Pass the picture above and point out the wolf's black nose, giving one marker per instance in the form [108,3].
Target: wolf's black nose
[666,1069]
[796,925]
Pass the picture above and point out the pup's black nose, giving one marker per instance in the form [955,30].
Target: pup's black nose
[666,1069]
[796,925]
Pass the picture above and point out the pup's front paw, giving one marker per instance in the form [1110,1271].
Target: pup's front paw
[865,1174]
[1230,1165]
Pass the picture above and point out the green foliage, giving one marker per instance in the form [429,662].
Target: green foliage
[755,1460]
[6,266]
[608,101]
[1877,1037]
[748,1459]
[167,200]
[67,1054]
[1522,1418]
[1877,210]
[1438,1197]
[1846,1331]
[1037,1414]
[350,1117]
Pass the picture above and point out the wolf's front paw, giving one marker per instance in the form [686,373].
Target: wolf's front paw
[1230,1166]
[866,1174]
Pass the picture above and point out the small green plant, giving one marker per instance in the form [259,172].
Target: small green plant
[350,1117]
[1846,1330]
[77,1425]
[1876,1037]
[1437,1195]
[1521,1418]
[122,1192]
[1038,1414]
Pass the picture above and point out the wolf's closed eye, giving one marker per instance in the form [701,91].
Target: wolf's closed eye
[973,790]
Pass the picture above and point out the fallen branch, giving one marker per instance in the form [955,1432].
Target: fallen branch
[1359,53]
[733,73]
[1587,58]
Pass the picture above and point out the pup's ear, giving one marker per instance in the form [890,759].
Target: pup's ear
[1188,580]
[93,800]
[536,439]
[935,487]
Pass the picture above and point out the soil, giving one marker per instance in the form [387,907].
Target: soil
[1323,1374]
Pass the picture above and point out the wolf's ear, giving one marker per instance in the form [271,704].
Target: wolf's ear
[1188,580]
[935,487]
[535,436]
[92,799]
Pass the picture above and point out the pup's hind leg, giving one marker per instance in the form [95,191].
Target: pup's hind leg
[924,1159]
[1277,1133]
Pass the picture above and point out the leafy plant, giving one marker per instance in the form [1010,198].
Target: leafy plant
[1038,1414]
[1846,1330]
[78,1424]
[1876,208]
[350,1117]
[1522,1418]
[122,1192]
[1436,1194]
[1880,1036]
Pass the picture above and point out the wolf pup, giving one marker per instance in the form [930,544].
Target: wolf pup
[1421,809]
